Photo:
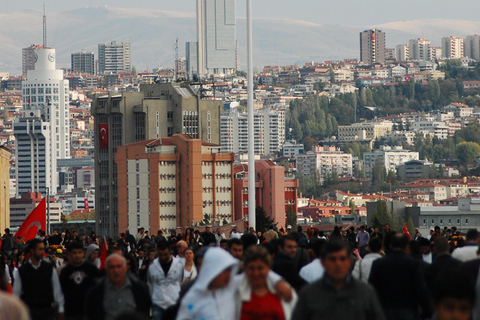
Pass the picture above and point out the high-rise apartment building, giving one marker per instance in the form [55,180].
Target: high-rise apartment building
[269,129]
[452,47]
[83,62]
[419,49]
[402,52]
[157,111]
[114,57]
[389,157]
[28,57]
[42,134]
[174,182]
[324,161]
[472,46]
[434,53]
[216,35]
[191,53]
[372,46]
[4,187]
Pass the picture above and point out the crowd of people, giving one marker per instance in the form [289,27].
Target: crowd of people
[351,273]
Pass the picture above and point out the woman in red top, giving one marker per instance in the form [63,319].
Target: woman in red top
[263,304]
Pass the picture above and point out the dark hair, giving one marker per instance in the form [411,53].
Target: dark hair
[224,241]
[75,245]
[333,246]
[199,255]
[162,245]
[375,244]
[233,241]
[472,235]
[399,241]
[424,242]
[454,284]
[440,244]
[248,240]
[284,238]
[33,243]
[254,253]
[316,245]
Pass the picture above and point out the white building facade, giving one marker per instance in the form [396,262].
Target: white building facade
[43,132]
[390,157]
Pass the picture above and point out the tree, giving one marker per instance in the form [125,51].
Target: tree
[468,152]
[352,206]
[381,217]
[318,86]
[411,227]
[291,217]
[262,221]
[9,101]
[134,70]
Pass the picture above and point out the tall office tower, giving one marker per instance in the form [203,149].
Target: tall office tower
[28,57]
[114,57]
[472,46]
[191,52]
[419,49]
[5,187]
[434,53]
[269,131]
[402,52]
[216,34]
[452,47]
[83,62]
[372,46]
[43,132]
[157,111]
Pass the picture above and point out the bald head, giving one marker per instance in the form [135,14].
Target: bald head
[181,246]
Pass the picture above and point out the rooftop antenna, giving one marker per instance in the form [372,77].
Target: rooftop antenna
[44,27]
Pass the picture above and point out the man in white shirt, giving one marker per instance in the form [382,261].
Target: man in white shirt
[234,233]
[469,250]
[219,236]
[314,270]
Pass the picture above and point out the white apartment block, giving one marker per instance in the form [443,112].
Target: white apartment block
[43,132]
[419,49]
[434,53]
[324,161]
[292,148]
[269,130]
[364,130]
[390,157]
[435,129]
[402,52]
[452,47]
[398,71]
[472,46]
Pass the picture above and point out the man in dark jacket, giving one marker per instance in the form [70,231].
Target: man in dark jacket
[342,296]
[399,282]
[283,263]
[117,293]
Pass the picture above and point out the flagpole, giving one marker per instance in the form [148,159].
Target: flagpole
[48,210]
[251,133]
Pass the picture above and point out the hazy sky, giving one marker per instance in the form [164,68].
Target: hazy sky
[345,12]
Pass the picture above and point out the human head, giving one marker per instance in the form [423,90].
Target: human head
[387,227]
[336,258]
[235,247]
[188,254]
[234,229]
[440,245]
[163,252]
[399,241]
[453,296]
[141,230]
[288,245]
[256,263]
[36,248]
[160,233]
[425,246]
[116,269]
[181,246]
[224,244]
[219,232]
[198,258]
[472,235]
[375,245]
[75,253]
[208,229]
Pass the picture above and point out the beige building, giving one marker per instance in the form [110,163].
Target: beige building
[157,111]
[364,130]
[4,188]
[372,46]
[452,47]
[419,49]
[173,182]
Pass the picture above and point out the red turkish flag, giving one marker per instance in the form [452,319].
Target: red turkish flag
[36,220]
[103,253]
[373,36]
[405,230]
[103,129]
[85,202]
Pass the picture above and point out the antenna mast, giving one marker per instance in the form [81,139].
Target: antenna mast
[44,27]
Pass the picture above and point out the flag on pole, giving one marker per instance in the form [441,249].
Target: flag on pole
[405,231]
[37,219]
[85,202]
[103,253]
